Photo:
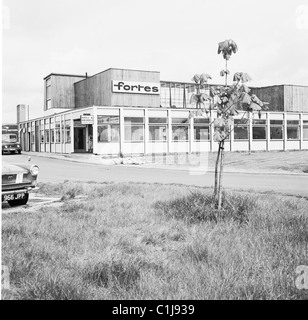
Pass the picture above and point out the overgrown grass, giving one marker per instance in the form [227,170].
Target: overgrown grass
[198,206]
[152,241]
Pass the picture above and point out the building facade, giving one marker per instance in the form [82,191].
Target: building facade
[132,112]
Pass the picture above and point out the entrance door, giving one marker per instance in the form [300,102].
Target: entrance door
[79,139]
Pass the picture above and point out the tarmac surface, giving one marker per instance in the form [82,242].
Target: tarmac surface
[92,168]
[170,162]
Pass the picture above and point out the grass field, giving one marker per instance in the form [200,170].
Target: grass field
[153,241]
[273,161]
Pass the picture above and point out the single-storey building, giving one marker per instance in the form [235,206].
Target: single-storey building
[132,112]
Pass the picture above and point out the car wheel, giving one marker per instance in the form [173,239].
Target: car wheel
[19,151]
[20,202]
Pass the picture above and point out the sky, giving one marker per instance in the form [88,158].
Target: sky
[179,38]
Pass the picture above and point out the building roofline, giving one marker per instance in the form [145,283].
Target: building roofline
[138,108]
[65,75]
[117,69]
[278,85]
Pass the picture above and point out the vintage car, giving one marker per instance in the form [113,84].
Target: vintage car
[17,181]
[10,144]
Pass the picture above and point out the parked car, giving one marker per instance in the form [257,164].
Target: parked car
[17,181]
[10,144]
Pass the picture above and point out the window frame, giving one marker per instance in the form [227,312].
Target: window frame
[292,125]
[275,123]
[239,126]
[255,124]
[111,122]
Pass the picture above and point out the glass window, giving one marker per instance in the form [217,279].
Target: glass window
[47,135]
[276,129]
[157,132]
[32,137]
[201,133]
[293,122]
[157,120]
[67,133]
[180,120]
[133,129]
[259,133]
[258,129]
[48,93]
[179,133]
[240,130]
[293,133]
[293,130]
[276,122]
[130,120]
[134,133]
[108,133]
[108,129]
[42,136]
[201,120]
[52,135]
[48,104]
[256,122]
[158,129]
[276,133]
[107,119]
[241,133]
[305,129]
[201,129]
[58,135]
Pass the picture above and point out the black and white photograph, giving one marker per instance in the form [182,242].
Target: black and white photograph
[154,153]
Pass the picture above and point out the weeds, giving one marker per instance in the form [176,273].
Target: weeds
[114,273]
[198,206]
[52,287]
[125,244]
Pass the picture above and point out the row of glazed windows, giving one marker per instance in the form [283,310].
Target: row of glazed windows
[177,95]
[53,134]
[109,129]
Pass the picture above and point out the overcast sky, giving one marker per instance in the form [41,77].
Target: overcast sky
[179,38]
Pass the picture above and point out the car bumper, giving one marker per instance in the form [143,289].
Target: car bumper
[24,190]
[11,150]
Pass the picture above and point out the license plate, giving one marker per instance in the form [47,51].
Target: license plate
[14,196]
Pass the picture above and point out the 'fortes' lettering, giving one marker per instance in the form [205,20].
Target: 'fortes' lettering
[133,87]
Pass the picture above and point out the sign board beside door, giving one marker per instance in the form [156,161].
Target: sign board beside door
[86,119]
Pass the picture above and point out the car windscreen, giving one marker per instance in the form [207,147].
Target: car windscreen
[9,138]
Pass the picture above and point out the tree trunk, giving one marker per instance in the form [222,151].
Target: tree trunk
[216,172]
[222,143]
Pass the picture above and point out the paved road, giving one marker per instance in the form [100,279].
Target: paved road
[57,170]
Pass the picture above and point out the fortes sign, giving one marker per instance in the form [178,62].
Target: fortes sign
[135,87]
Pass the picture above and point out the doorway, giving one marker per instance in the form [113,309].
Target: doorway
[79,139]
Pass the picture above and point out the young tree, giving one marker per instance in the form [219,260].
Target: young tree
[226,100]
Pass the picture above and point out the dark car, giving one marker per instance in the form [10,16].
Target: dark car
[17,181]
[10,144]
